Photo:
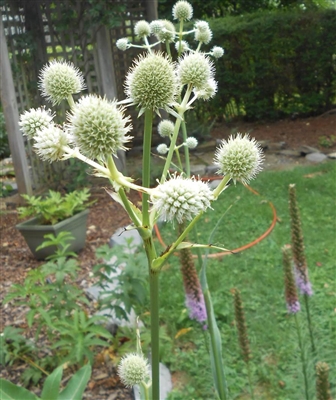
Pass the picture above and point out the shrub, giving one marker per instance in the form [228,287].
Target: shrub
[276,64]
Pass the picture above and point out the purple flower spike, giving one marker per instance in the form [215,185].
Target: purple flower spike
[196,307]
[303,284]
[294,307]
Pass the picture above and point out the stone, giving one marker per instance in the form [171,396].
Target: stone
[307,150]
[211,169]
[166,384]
[289,153]
[197,169]
[130,239]
[276,146]
[332,156]
[213,184]
[316,157]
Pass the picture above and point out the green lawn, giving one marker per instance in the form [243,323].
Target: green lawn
[257,273]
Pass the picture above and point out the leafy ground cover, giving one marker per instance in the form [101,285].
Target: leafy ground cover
[258,274]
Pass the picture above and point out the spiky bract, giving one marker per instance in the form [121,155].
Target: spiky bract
[98,126]
[34,120]
[59,80]
[151,83]
[239,157]
[181,198]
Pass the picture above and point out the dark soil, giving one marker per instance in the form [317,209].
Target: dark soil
[106,216]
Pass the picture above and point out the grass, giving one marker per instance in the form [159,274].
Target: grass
[257,273]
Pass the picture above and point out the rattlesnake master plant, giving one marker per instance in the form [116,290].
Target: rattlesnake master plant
[97,128]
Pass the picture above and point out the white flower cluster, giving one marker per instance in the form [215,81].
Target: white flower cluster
[133,369]
[181,198]
[34,120]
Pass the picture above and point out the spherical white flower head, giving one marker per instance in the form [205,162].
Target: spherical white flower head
[191,142]
[240,158]
[142,29]
[133,369]
[166,128]
[182,10]
[34,120]
[203,36]
[202,26]
[195,69]
[162,148]
[208,91]
[122,44]
[156,26]
[167,32]
[98,126]
[59,80]
[152,83]
[217,52]
[50,142]
[184,46]
[181,198]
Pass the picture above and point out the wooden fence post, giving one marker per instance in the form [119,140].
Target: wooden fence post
[10,109]
[107,78]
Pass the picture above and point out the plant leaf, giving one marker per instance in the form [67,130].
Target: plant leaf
[77,384]
[188,245]
[9,391]
[52,385]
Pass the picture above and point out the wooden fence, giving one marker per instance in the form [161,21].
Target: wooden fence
[34,38]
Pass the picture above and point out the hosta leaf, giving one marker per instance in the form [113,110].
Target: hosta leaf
[76,385]
[9,391]
[52,385]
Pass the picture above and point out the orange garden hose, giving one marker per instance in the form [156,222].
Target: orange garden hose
[238,249]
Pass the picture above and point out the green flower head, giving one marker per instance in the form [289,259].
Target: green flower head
[133,369]
[182,10]
[166,128]
[195,69]
[240,158]
[164,30]
[50,143]
[142,29]
[34,120]
[152,83]
[98,126]
[59,80]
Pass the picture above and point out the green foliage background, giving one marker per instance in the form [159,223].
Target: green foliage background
[276,64]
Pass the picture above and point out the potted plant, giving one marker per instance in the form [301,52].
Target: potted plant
[53,214]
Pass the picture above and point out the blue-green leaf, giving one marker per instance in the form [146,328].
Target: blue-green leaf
[76,385]
[9,391]
[51,385]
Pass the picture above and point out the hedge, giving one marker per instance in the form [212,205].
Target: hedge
[276,64]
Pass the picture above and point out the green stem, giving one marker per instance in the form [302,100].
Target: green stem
[128,207]
[186,149]
[71,101]
[303,360]
[145,391]
[310,327]
[175,134]
[146,164]
[250,380]
[154,313]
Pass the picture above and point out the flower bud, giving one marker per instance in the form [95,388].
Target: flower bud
[133,369]
[122,44]
[166,128]
[240,158]
[142,29]
[152,83]
[182,10]
[203,36]
[184,46]
[208,91]
[98,126]
[59,80]
[195,69]
[162,148]
[217,52]
[191,142]
[167,32]
[34,120]
[202,26]
[156,26]
[50,142]
[181,198]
